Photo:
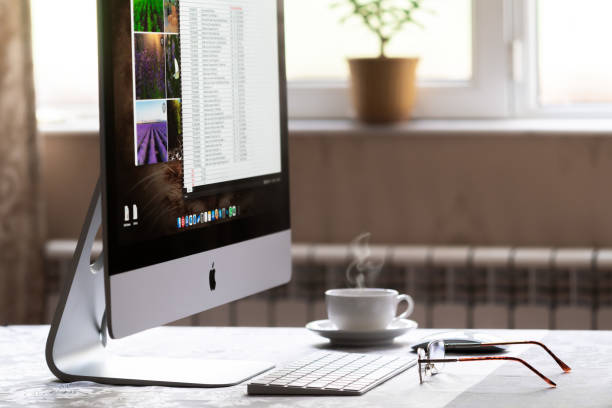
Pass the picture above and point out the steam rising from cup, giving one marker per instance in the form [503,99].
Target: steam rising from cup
[364,268]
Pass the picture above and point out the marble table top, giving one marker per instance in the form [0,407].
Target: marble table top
[26,381]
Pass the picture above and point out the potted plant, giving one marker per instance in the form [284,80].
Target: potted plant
[383,88]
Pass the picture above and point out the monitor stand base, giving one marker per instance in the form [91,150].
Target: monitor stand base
[76,347]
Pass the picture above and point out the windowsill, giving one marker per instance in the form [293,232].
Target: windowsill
[441,127]
[468,127]
[81,127]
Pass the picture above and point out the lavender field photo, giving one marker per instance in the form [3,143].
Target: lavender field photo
[149,66]
[151,132]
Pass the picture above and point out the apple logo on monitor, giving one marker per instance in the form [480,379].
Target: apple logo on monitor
[211,278]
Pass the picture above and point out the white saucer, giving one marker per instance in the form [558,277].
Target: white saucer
[338,337]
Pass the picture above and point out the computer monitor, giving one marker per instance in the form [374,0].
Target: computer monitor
[194,157]
[193,198]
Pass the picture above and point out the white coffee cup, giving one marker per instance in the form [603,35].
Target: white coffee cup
[365,309]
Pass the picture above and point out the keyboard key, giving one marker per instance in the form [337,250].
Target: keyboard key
[300,383]
[317,384]
[353,387]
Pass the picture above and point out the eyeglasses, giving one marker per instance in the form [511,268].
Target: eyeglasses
[432,360]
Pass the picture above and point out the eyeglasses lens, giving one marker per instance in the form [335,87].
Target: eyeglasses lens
[435,351]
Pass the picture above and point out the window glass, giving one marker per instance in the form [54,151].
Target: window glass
[575,64]
[64,40]
[318,44]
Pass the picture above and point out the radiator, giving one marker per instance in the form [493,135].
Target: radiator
[453,287]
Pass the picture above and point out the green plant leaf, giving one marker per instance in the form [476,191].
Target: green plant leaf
[384,18]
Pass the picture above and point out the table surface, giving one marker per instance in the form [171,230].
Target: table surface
[26,381]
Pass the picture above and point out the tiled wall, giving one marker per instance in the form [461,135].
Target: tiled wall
[511,189]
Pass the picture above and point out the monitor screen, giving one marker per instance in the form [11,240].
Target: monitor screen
[194,139]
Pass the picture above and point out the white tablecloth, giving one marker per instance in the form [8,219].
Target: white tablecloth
[26,381]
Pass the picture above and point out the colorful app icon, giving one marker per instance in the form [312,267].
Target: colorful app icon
[198,219]
[182,222]
[178,222]
[209,216]
[216,214]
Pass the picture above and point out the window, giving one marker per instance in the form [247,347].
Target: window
[566,68]
[464,61]
[479,58]
[65,59]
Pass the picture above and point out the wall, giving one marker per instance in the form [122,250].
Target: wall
[408,187]
[71,164]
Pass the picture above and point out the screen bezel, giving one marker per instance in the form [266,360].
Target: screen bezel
[123,258]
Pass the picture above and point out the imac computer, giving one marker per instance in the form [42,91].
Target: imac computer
[193,197]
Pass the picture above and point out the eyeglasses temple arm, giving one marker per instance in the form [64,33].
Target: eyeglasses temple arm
[539,374]
[563,366]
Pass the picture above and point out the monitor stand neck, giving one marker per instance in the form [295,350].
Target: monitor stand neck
[76,346]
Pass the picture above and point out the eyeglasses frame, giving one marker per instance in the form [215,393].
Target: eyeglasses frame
[421,361]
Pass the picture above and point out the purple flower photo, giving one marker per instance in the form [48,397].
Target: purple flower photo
[149,66]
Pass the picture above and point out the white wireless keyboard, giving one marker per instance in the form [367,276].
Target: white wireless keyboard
[332,373]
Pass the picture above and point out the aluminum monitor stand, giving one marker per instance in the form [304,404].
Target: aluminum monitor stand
[76,346]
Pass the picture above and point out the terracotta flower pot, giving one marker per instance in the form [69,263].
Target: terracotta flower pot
[383,89]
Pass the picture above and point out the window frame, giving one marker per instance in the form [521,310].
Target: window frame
[486,95]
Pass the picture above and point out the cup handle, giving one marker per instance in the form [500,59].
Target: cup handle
[409,308]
